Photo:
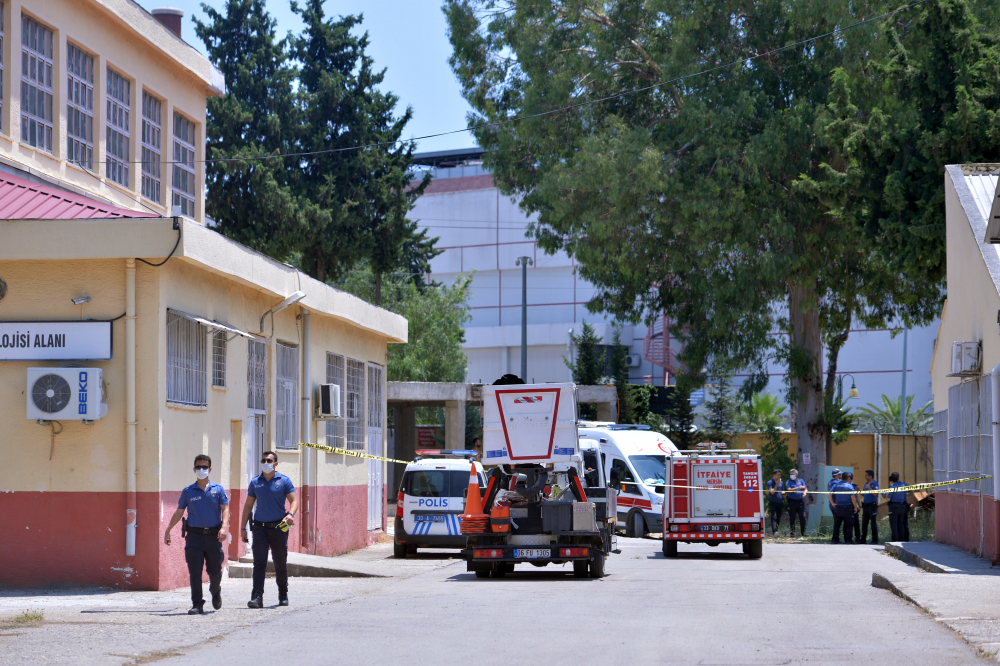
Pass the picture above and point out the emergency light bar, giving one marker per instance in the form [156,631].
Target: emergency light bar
[461,453]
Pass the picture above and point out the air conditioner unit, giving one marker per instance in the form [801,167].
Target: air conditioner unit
[65,394]
[965,358]
[328,402]
[633,361]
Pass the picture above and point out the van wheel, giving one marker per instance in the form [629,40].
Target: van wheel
[754,549]
[580,568]
[597,565]
[636,526]
[399,550]
[669,548]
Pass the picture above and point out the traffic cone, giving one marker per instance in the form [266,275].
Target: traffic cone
[474,521]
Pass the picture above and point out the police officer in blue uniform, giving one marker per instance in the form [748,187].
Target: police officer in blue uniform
[775,501]
[795,494]
[869,508]
[844,506]
[834,480]
[268,492]
[848,477]
[204,531]
[897,509]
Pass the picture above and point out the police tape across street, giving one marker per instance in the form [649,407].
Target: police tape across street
[356,454]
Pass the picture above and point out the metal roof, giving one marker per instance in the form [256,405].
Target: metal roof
[983,186]
[22,199]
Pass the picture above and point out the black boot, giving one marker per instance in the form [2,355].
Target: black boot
[197,609]
[283,598]
[217,601]
[256,602]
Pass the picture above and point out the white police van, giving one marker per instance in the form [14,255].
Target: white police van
[431,499]
[635,458]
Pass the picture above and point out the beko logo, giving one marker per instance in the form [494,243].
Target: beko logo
[83,393]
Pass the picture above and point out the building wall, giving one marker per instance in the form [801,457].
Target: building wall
[69,511]
[119,35]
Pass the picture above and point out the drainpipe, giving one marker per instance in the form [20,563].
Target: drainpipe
[305,421]
[995,420]
[130,424]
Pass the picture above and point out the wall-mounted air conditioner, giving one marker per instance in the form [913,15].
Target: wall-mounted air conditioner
[328,402]
[633,361]
[65,394]
[966,358]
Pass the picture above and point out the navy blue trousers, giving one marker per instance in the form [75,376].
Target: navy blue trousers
[203,551]
[276,541]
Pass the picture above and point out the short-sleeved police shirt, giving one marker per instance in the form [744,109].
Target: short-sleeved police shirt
[831,483]
[774,498]
[897,496]
[270,495]
[798,484]
[204,507]
[872,498]
[842,487]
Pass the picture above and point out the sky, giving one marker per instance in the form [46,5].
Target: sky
[407,38]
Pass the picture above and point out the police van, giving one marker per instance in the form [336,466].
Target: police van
[634,457]
[431,499]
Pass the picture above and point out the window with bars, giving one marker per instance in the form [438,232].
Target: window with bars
[335,375]
[219,343]
[354,407]
[375,402]
[187,361]
[80,107]
[151,147]
[2,63]
[119,108]
[36,84]
[287,409]
[256,376]
[970,441]
[183,167]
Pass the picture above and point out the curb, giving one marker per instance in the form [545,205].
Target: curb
[298,570]
[883,583]
[910,557]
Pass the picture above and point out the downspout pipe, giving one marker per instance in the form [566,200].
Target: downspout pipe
[995,422]
[130,422]
[305,431]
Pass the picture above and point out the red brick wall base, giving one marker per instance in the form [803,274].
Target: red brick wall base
[957,522]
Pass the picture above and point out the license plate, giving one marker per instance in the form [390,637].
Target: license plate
[428,519]
[715,528]
[532,553]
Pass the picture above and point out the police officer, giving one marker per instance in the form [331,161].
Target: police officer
[844,504]
[848,477]
[775,501]
[268,491]
[204,531]
[869,508]
[834,480]
[795,494]
[897,508]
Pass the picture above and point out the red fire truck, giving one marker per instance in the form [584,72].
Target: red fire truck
[714,497]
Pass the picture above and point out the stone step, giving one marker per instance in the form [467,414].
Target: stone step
[310,566]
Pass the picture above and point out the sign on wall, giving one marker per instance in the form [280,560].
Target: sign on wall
[55,340]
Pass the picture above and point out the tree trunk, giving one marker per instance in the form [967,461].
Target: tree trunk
[378,289]
[833,354]
[805,366]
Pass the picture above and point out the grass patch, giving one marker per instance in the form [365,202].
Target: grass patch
[921,529]
[27,618]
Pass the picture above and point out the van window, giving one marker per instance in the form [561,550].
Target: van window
[625,474]
[437,483]
[651,469]
[592,472]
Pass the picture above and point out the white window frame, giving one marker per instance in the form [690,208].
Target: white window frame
[336,374]
[256,376]
[152,137]
[36,84]
[183,173]
[79,107]
[286,410]
[187,361]
[3,36]
[220,342]
[117,150]
[355,418]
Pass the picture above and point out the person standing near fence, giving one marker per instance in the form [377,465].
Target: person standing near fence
[856,518]
[869,508]
[795,493]
[844,504]
[775,501]
[897,509]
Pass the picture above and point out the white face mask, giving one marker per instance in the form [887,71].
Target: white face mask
[794,476]
[201,473]
[267,468]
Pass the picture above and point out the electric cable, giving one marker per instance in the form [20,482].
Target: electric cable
[176,245]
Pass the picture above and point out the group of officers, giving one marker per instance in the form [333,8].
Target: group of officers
[206,529]
[843,496]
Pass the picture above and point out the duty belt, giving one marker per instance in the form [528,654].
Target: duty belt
[204,530]
[269,526]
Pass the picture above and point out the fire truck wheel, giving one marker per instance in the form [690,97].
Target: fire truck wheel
[636,526]
[482,574]
[755,549]
[399,550]
[670,549]
[597,565]
[580,568]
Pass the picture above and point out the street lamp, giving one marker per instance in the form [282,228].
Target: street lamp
[853,393]
[524,262]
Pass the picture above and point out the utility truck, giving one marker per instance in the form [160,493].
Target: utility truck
[546,499]
[714,497]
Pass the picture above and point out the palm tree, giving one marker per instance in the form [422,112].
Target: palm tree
[887,417]
[764,411]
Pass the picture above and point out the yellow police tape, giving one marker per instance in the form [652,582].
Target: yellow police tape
[881,491]
[356,454]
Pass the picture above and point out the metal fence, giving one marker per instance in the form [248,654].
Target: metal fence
[187,361]
[965,448]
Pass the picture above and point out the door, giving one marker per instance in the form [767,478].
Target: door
[714,495]
[630,495]
[376,417]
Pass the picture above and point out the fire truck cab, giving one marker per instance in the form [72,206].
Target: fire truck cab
[714,497]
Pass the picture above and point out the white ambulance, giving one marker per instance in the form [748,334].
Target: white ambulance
[636,456]
[431,499]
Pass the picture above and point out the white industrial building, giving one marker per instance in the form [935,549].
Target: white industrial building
[483,231]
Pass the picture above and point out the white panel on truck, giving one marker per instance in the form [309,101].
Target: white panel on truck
[715,489]
[529,423]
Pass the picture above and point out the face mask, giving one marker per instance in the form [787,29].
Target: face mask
[267,468]
[794,476]
[201,473]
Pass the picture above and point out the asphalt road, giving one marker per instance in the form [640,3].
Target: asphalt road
[799,604]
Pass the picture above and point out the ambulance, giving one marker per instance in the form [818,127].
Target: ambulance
[636,455]
[714,497]
[431,499]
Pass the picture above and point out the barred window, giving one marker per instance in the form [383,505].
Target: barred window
[287,411]
[2,27]
[80,107]
[219,344]
[970,447]
[36,84]
[119,108]
[354,411]
[335,375]
[256,375]
[150,147]
[375,397]
[183,171]
[187,361]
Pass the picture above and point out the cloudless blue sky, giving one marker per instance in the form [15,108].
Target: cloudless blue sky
[406,38]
